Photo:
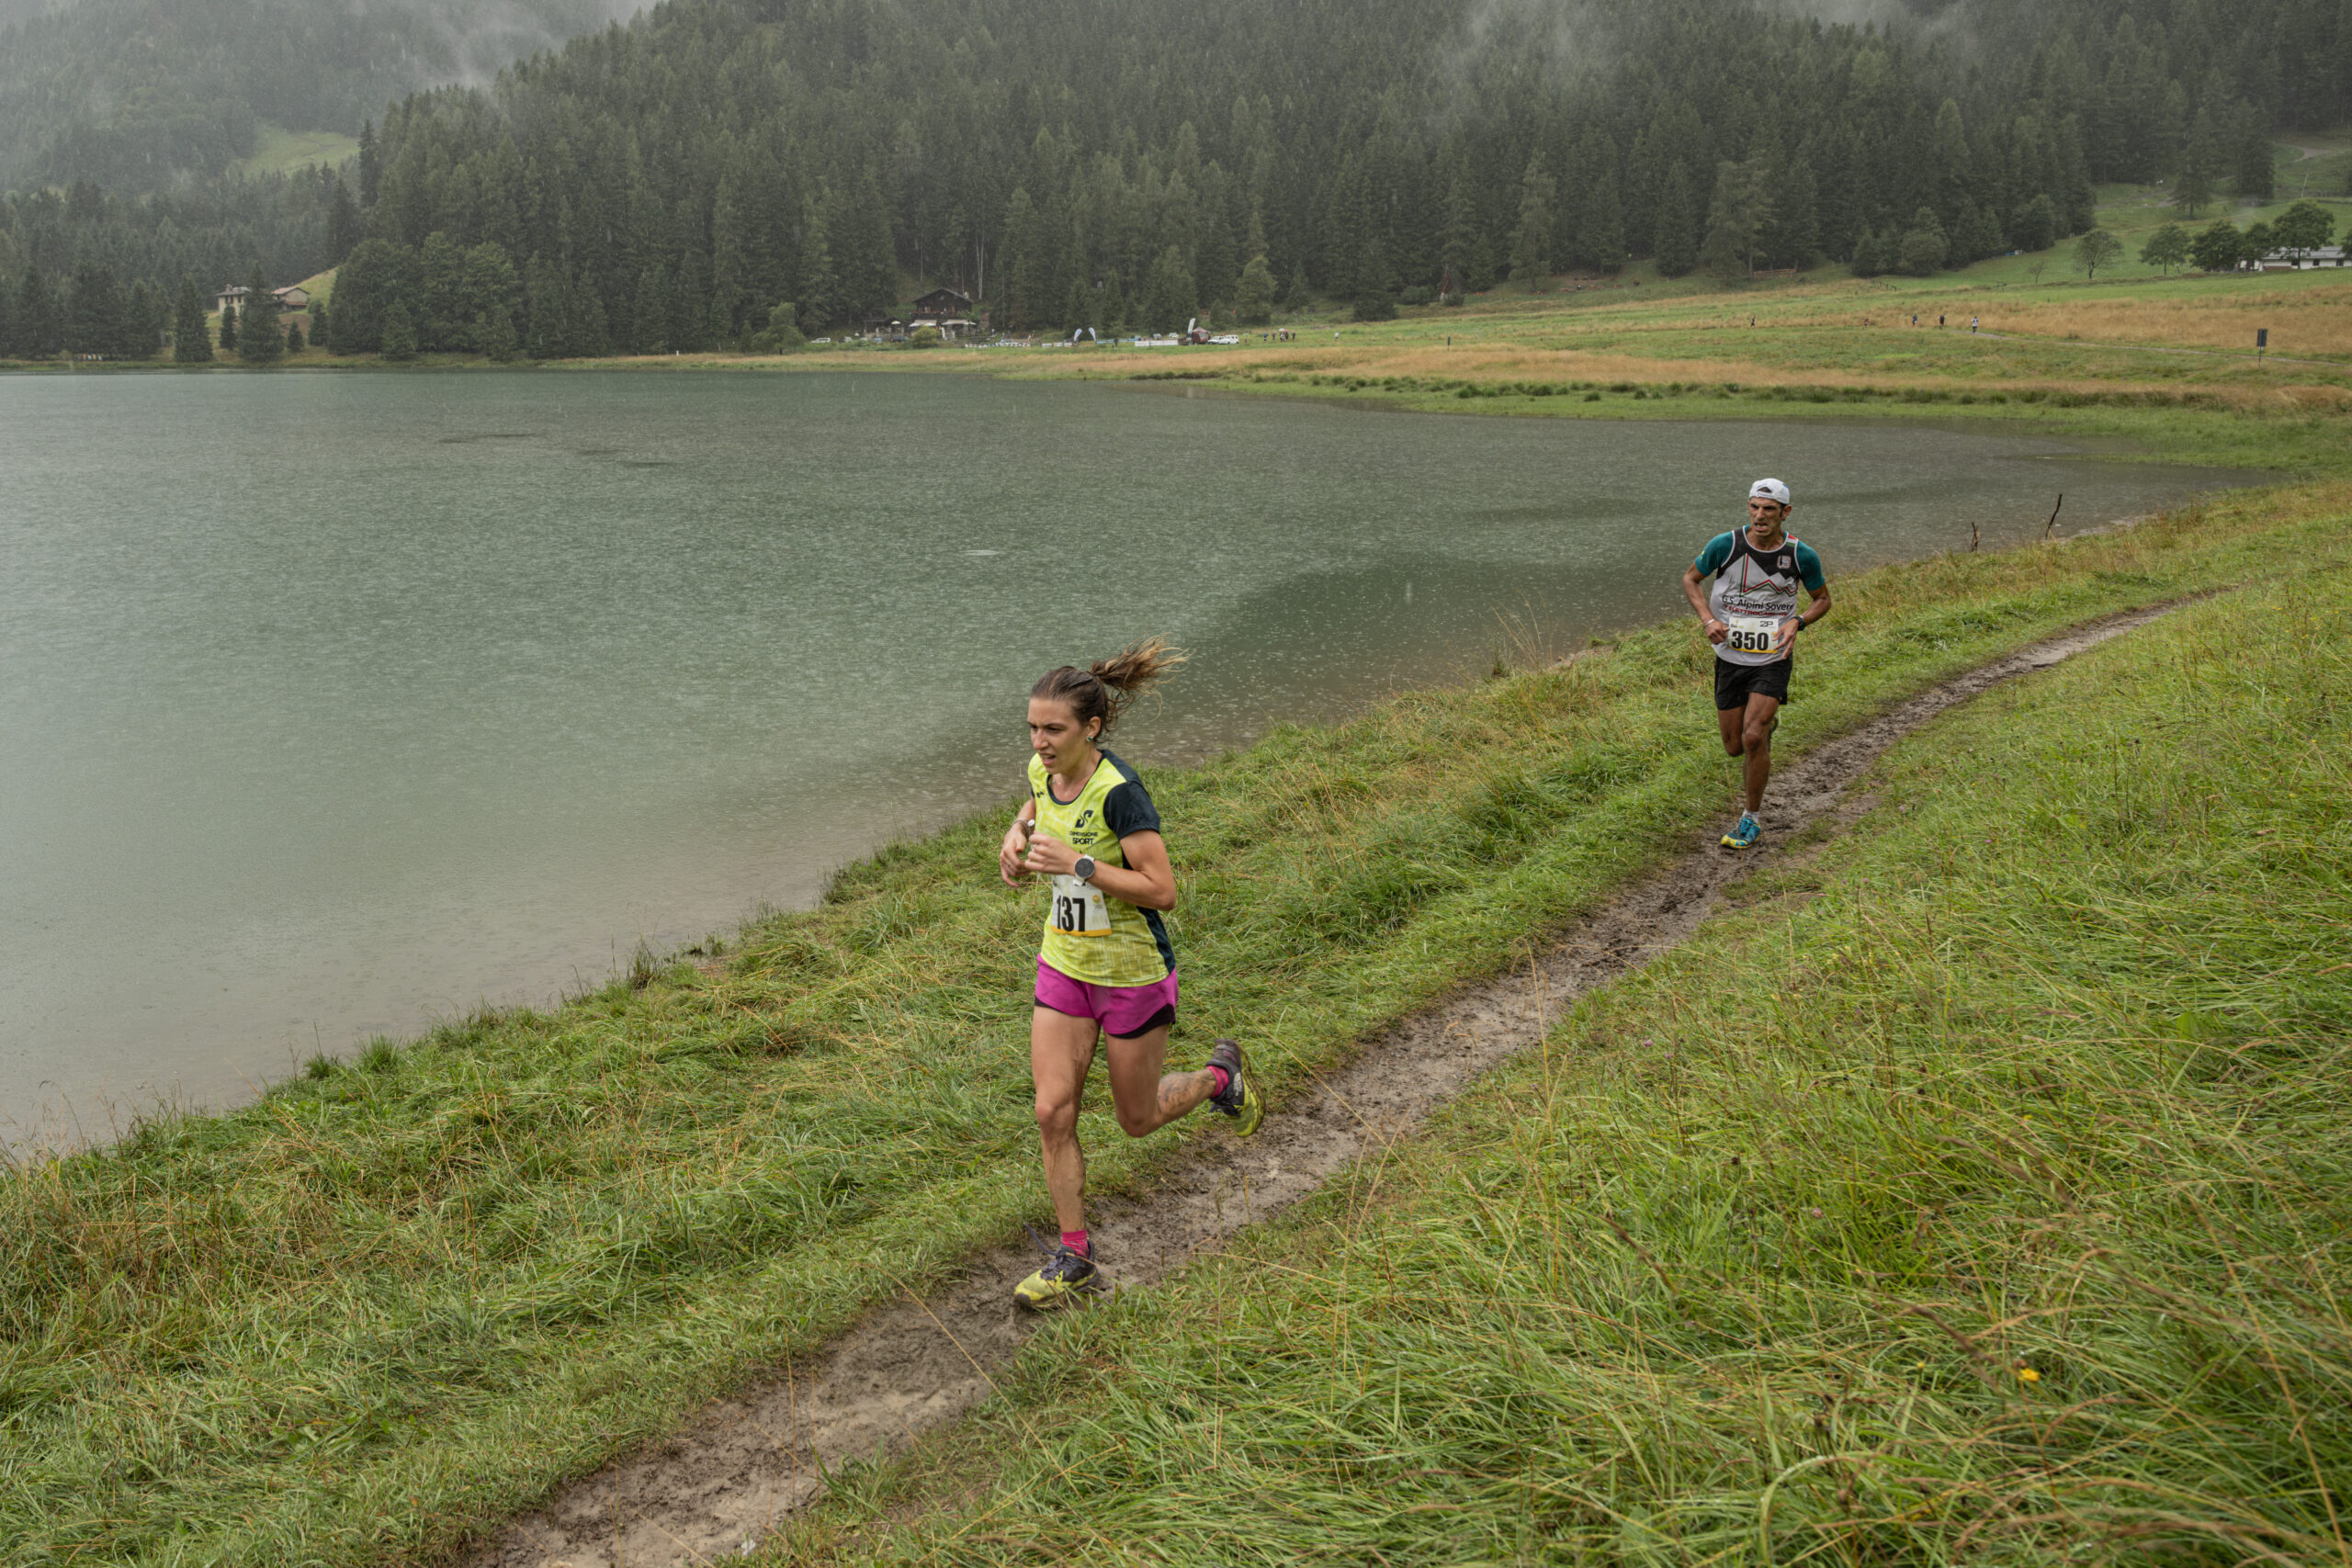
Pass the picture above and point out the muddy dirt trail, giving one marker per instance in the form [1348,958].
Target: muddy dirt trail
[745,1463]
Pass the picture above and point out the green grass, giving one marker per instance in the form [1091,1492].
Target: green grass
[399,1297]
[278,151]
[1975,1194]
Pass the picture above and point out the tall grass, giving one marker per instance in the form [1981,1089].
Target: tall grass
[404,1294]
[1977,1194]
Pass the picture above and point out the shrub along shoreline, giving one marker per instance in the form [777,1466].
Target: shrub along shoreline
[1974,1193]
[399,1298]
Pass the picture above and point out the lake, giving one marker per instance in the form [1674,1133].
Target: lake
[337,704]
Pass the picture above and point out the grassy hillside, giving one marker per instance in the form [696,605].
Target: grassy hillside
[278,151]
[401,1295]
[1975,1193]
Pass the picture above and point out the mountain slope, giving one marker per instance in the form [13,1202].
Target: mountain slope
[136,93]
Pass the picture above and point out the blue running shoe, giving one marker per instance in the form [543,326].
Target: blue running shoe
[1744,834]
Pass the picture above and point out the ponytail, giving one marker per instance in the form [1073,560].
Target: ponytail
[1104,688]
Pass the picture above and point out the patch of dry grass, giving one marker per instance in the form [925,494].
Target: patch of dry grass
[2309,322]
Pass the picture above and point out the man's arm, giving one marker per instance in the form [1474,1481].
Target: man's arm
[1716,631]
[1808,617]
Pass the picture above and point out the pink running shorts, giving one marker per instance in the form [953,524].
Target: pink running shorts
[1123,1011]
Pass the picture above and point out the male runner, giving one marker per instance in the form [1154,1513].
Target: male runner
[1751,616]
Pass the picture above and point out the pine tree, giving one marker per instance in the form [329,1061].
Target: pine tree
[1531,242]
[229,327]
[548,307]
[1793,237]
[493,293]
[94,312]
[372,164]
[439,306]
[1978,236]
[400,331]
[344,230]
[1870,254]
[2257,172]
[1168,297]
[1216,261]
[495,333]
[2034,226]
[140,331]
[370,278]
[1735,218]
[322,331]
[1461,254]
[260,340]
[295,341]
[650,311]
[817,286]
[1953,164]
[592,332]
[1601,218]
[1253,295]
[1677,223]
[191,338]
[1115,320]
[2199,158]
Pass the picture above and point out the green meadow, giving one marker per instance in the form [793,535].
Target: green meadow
[1971,1190]
[402,1295]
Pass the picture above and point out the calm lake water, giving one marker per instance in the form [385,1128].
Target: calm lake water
[335,703]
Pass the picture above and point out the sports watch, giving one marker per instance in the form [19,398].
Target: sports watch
[1084,869]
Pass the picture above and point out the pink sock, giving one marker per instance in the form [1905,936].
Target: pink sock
[1224,1079]
[1076,1241]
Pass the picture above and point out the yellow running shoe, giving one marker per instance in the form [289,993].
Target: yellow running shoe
[1069,1275]
[1239,1099]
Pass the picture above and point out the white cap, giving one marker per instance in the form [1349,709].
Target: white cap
[1770,489]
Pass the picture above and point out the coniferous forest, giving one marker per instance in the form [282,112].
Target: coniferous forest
[669,184]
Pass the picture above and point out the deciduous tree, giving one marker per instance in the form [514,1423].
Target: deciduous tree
[2167,248]
[2094,250]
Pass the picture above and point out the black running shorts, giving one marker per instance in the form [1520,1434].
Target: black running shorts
[1735,684]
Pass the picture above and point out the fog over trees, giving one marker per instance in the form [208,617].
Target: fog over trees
[138,94]
[668,185]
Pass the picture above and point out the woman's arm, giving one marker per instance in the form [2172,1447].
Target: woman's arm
[1016,842]
[1146,880]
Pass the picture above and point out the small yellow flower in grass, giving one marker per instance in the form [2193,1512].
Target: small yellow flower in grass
[2027,1375]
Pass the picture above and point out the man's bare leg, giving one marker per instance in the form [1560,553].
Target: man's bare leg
[1756,726]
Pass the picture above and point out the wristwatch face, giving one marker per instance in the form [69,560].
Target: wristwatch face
[1085,868]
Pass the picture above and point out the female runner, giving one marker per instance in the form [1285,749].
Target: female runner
[1106,968]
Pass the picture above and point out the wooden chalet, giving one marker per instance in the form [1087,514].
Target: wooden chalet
[949,309]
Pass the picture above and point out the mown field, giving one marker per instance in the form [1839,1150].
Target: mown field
[1973,1191]
[401,1295]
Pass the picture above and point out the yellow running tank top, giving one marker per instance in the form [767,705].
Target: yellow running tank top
[1088,935]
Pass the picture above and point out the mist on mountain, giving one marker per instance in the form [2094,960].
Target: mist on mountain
[136,94]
